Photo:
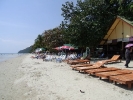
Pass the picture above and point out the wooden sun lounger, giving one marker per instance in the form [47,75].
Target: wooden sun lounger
[115,58]
[112,73]
[94,71]
[79,61]
[80,65]
[98,64]
[126,79]
[82,69]
[70,61]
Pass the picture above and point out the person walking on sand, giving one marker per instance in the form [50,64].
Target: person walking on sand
[128,56]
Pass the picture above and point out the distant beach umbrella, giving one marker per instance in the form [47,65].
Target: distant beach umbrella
[71,48]
[39,50]
[65,47]
[57,48]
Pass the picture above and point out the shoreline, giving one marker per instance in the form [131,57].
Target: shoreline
[8,56]
[9,73]
[24,78]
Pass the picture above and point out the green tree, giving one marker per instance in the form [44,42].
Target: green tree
[89,21]
[38,43]
[53,38]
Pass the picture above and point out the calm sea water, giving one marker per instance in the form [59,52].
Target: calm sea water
[6,56]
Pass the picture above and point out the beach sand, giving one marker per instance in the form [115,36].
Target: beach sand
[24,78]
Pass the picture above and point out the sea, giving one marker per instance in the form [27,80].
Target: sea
[7,56]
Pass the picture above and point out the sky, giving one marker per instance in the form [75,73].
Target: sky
[21,21]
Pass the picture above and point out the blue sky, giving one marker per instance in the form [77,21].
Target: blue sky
[21,21]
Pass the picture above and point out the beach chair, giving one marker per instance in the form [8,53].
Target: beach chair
[94,71]
[106,75]
[61,58]
[126,79]
[48,58]
[70,61]
[98,64]
[115,58]
[80,65]
[79,61]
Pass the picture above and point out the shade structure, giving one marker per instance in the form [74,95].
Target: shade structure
[71,48]
[57,48]
[65,47]
[39,50]
[128,45]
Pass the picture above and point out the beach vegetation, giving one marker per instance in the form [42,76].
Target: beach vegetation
[49,39]
[85,24]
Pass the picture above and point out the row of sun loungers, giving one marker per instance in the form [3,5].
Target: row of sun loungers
[121,76]
[116,75]
[115,58]
[94,71]
[98,64]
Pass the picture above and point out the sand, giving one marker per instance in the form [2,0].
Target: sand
[23,78]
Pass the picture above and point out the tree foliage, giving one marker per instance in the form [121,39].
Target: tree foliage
[89,21]
[49,39]
[38,43]
[53,38]
[85,24]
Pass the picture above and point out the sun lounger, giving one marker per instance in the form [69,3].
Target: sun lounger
[115,58]
[70,61]
[112,73]
[126,79]
[80,65]
[98,64]
[94,71]
[79,61]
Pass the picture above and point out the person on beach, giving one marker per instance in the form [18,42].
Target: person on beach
[128,55]
[43,56]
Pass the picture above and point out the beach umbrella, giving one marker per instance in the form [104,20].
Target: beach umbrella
[37,50]
[57,48]
[41,49]
[65,47]
[128,45]
[71,48]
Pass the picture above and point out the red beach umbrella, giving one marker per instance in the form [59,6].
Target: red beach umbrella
[71,48]
[57,48]
[65,47]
